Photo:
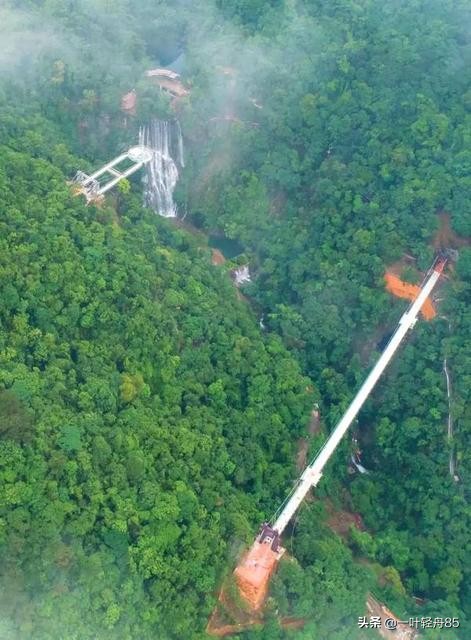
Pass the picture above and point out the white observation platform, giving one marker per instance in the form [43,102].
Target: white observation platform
[94,186]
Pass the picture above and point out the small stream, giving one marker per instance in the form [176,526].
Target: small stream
[452,466]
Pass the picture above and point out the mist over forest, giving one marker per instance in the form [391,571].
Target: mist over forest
[154,411]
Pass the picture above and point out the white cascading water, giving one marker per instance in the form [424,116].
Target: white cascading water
[242,275]
[165,140]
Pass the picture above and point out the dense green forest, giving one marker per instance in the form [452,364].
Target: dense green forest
[148,424]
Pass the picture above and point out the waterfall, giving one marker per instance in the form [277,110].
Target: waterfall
[241,275]
[181,160]
[357,464]
[164,138]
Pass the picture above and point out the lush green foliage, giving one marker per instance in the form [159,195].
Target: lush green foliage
[362,138]
[146,425]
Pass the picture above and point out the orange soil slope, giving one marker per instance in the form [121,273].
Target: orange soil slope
[402,289]
[254,572]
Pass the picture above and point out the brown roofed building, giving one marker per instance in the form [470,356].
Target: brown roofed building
[129,103]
